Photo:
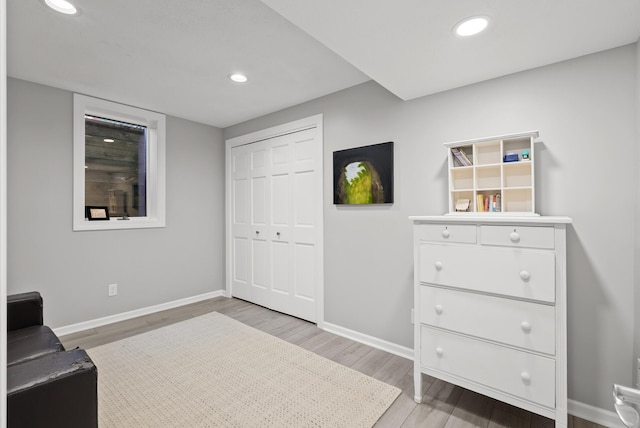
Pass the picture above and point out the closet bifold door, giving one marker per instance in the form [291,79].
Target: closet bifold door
[259,231]
[275,197]
[294,171]
[240,224]
[280,234]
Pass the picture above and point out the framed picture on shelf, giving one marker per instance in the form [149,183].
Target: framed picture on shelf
[96,213]
[463,205]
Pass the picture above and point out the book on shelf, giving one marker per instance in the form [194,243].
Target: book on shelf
[460,156]
[464,155]
[496,202]
[488,203]
[479,203]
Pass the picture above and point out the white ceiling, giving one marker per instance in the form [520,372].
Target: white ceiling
[174,56]
[408,46]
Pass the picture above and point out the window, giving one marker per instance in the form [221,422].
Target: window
[119,163]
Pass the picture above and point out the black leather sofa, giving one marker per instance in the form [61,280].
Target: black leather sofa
[47,386]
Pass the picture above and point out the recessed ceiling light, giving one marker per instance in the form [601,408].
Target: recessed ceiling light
[238,77]
[62,6]
[471,26]
[109,140]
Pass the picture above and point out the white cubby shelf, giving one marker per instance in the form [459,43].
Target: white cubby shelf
[480,172]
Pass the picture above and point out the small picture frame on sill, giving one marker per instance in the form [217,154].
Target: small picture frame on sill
[96,213]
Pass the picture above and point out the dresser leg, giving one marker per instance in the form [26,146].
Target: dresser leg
[417,385]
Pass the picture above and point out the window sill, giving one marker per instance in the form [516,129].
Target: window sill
[116,224]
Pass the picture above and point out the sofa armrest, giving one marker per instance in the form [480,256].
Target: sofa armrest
[56,390]
[24,310]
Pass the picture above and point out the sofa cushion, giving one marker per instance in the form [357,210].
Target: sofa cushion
[56,390]
[24,310]
[32,342]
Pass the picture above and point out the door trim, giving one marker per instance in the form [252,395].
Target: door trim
[310,122]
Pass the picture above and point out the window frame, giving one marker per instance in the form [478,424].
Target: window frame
[156,159]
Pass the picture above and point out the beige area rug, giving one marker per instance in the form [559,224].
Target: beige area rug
[213,371]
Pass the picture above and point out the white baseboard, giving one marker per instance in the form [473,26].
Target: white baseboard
[383,345]
[86,325]
[594,414]
[576,408]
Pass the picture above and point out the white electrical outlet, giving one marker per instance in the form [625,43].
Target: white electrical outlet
[113,289]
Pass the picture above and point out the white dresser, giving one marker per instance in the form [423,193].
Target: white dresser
[490,307]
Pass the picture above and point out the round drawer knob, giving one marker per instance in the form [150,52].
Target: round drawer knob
[439,352]
[445,233]
[526,378]
[515,237]
[525,326]
[438,265]
[438,309]
[525,276]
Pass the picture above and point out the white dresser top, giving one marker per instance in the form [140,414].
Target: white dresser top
[506,218]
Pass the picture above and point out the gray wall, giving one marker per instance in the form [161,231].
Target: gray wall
[72,269]
[585,110]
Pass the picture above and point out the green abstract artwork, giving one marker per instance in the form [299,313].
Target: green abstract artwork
[364,175]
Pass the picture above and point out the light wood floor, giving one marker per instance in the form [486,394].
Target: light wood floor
[444,404]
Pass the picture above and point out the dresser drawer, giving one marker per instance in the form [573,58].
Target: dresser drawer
[520,373]
[457,233]
[527,274]
[514,322]
[518,236]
